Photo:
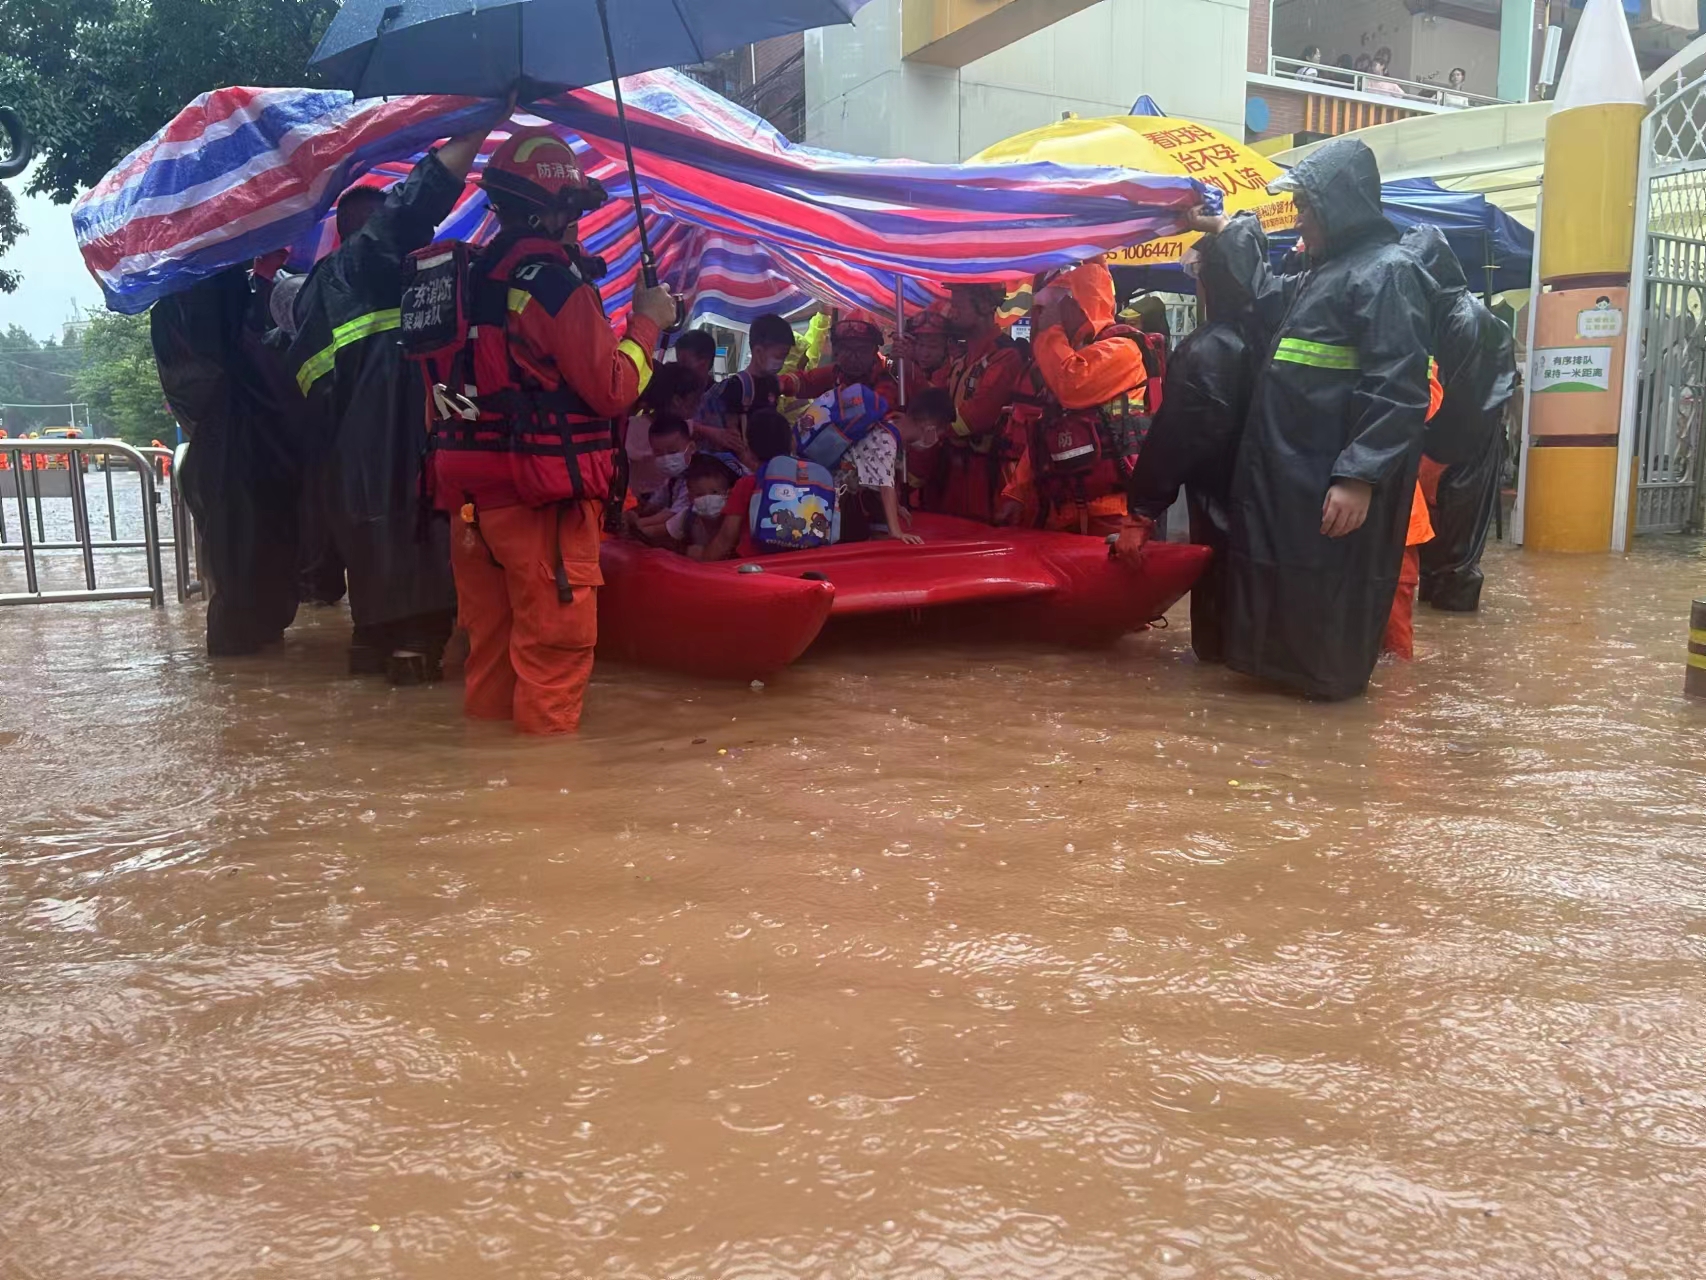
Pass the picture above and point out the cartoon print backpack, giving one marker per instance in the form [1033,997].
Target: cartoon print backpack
[793,506]
[838,421]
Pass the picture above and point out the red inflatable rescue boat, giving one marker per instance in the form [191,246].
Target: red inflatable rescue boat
[732,621]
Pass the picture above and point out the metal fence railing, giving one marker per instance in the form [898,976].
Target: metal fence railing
[1417,94]
[36,475]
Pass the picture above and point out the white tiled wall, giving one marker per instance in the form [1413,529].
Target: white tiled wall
[1188,55]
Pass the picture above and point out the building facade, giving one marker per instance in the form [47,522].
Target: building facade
[940,80]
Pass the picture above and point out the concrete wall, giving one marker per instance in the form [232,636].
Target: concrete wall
[861,97]
[1439,44]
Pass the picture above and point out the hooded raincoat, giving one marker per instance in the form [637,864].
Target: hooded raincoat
[1476,355]
[349,363]
[1341,394]
[1194,439]
[242,476]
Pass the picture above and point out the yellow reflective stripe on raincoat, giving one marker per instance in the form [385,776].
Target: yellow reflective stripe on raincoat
[1317,355]
[320,363]
[641,360]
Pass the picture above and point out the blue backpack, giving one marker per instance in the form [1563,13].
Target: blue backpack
[837,422]
[793,506]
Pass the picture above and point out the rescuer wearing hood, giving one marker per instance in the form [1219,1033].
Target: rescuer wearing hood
[1074,429]
[525,435]
[1476,356]
[1326,471]
[1194,439]
[348,363]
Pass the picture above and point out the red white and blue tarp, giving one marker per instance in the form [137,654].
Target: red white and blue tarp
[742,221]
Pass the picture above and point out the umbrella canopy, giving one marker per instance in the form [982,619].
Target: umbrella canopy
[1159,144]
[388,47]
[745,221]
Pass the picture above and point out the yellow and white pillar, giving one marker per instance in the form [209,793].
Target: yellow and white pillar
[1587,226]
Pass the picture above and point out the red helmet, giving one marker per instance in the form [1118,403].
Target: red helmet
[536,168]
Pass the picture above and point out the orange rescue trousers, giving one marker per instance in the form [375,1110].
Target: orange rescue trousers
[529,651]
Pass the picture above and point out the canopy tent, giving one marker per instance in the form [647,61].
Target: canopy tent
[743,220]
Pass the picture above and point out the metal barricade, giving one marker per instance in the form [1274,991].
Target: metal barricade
[26,464]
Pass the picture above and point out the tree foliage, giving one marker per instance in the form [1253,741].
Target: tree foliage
[10,230]
[36,374]
[118,381]
[95,79]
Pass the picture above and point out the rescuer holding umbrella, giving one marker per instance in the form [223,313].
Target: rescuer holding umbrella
[526,476]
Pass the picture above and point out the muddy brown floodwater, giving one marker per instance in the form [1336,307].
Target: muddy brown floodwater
[921,962]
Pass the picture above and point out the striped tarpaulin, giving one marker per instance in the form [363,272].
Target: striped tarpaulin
[742,220]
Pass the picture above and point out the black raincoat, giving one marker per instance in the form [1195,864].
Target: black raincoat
[1477,369]
[1194,440]
[242,476]
[1341,394]
[349,363]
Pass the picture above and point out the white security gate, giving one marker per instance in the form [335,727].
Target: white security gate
[1670,292]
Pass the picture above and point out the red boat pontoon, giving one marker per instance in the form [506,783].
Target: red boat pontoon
[731,621]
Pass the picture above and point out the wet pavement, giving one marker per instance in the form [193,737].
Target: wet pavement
[921,962]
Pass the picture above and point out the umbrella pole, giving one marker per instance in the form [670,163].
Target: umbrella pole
[648,264]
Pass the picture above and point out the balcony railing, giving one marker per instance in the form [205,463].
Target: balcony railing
[1408,95]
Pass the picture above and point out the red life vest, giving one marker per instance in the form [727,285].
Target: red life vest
[1077,455]
[506,429]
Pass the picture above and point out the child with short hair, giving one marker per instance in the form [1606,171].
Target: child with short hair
[708,484]
[869,502]
[768,436]
[696,351]
[723,417]
[673,392]
[670,447]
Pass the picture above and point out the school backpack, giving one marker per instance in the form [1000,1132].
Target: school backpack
[793,506]
[838,421]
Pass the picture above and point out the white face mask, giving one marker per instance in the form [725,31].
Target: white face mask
[672,464]
[710,505]
[767,364]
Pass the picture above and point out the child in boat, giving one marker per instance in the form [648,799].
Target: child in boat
[722,418]
[768,437]
[696,351]
[866,482]
[669,443]
[673,392]
[708,483]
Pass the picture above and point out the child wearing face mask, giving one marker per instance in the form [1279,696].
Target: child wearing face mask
[723,416]
[708,484]
[669,441]
[673,392]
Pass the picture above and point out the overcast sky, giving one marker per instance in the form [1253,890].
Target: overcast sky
[54,276]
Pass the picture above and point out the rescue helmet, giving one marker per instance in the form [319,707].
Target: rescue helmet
[535,171]
[856,327]
[927,322]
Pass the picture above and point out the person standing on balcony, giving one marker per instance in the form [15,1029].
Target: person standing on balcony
[1454,96]
[1312,59]
[1326,472]
[1376,81]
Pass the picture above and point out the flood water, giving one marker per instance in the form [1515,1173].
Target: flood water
[920,962]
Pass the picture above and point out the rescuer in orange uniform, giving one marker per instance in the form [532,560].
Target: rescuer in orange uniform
[1073,432]
[857,346]
[1400,637]
[526,481]
[983,381]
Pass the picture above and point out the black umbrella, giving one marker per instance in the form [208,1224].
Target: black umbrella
[539,47]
